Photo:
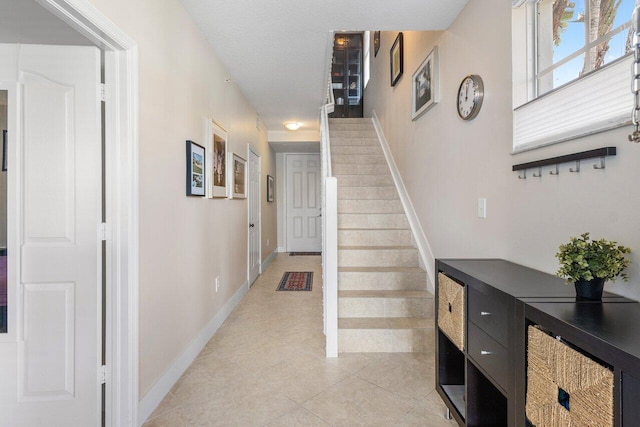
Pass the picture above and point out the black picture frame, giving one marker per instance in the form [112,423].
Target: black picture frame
[196,170]
[376,43]
[4,150]
[270,188]
[396,55]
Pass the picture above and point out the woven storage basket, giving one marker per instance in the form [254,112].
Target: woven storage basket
[553,365]
[451,309]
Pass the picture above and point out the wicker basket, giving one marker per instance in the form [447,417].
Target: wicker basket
[451,309]
[565,387]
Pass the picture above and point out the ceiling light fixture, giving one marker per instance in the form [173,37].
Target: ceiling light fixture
[292,125]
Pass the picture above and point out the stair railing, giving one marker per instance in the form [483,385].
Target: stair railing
[329,215]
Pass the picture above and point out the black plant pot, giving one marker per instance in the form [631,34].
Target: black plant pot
[589,289]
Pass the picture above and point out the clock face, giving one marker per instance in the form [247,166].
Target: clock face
[470,97]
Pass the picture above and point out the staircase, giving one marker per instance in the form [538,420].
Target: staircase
[383,305]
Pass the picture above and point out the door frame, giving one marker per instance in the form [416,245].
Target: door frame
[121,196]
[251,150]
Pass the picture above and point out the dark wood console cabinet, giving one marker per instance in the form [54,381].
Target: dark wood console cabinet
[484,383]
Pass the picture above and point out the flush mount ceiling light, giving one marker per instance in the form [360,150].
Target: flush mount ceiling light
[292,125]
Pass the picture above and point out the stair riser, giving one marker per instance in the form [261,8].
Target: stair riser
[364,180]
[353,127]
[349,120]
[370,207]
[386,307]
[352,134]
[356,150]
[382,281]
[385,340]
[392,221]
[358,169]
[377,258]
[367,193]
[351,142]
[374,238]
[350,159]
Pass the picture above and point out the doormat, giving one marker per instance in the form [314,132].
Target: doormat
[296,281]
[304,253]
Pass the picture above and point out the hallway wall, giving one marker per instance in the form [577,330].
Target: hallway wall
[447,163]
[184,242]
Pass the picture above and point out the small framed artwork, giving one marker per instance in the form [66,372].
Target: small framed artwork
[425,85]
[376,43]
[239,175]
[4,150]
[397,60]
[219,151]
[270,188]
[195,169]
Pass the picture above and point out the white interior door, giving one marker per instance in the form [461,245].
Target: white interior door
[304,222]
[254,216]
[50,374]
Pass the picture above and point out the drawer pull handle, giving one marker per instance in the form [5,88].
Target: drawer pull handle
[485,353]
[485,313]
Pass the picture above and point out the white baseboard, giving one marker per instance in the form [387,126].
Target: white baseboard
[267,261]
[427,259]
[152,399]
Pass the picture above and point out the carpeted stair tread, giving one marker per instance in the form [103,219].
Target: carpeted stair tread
[378,248]
[380,270]
[385,294]
[384,323]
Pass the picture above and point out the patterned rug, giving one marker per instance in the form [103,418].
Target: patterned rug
[296,281]
[304,253]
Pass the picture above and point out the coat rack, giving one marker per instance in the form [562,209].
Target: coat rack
[576,158]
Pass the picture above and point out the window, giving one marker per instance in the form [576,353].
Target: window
[571,62]
[576,37]
[367,58]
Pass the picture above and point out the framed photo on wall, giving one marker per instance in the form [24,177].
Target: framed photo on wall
[270,188]
[218,179]
[239,177]
[397,60]
[426,85]
[196,172]
[376,43]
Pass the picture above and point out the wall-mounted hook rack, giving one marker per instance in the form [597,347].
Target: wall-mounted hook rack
[601,153]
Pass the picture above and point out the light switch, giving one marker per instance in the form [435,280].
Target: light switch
[482,207]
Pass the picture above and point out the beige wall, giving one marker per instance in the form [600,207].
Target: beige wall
[184,242]
[447,164]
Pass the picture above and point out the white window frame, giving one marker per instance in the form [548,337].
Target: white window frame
[594,103]
[366,63]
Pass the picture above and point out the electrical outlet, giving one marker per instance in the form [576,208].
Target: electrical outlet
[482,207]
[217,283]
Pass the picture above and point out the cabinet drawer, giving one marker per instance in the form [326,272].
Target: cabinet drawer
[488,354]
[451,308]
[491,314]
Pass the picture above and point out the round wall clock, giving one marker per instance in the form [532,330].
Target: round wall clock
[470,95]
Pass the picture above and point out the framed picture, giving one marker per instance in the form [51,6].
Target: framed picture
[376,43]
[196,172]
[397,60]
[270,188]
[426,85]
[218,179]
[4,150]
[239,177]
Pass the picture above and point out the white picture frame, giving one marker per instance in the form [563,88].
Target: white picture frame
[425,85]
[238,177]
[218,148]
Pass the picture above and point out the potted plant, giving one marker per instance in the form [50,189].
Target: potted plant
[589,263]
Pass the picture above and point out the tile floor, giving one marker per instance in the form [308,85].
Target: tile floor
[266,367]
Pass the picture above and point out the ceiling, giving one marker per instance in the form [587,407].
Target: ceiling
[276,51]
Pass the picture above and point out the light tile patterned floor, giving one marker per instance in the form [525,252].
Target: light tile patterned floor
[266,367]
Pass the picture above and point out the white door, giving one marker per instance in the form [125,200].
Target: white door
[50,374]
[304,222]
[254,216]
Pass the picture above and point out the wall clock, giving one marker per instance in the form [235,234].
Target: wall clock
[470,96]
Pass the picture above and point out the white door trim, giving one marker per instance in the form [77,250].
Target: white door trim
[121,170]
[250,150]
